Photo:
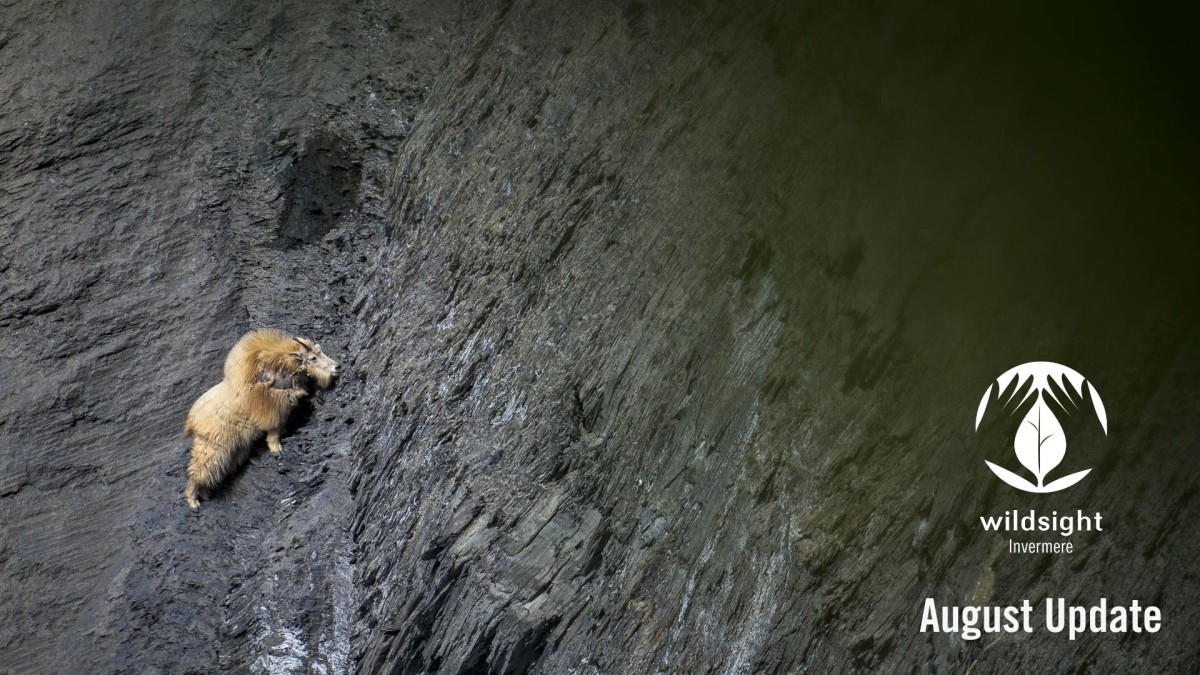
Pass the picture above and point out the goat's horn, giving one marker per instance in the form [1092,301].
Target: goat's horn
[301,343]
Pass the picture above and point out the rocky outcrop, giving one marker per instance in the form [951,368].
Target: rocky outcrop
[664,328]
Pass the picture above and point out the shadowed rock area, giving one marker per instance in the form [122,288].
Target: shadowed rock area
[664,327]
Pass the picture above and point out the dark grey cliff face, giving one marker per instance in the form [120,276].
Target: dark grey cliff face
[664,329]
[173,176]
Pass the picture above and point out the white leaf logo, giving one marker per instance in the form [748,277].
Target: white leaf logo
[1040,443]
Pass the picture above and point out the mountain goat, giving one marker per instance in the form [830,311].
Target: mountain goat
[266,374]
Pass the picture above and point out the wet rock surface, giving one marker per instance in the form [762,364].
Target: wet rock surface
[663,329]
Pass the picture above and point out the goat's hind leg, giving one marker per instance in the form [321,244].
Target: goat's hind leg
[204,471]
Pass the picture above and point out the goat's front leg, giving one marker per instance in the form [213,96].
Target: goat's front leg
[273,442]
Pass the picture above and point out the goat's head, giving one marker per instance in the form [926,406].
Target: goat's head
[314,363]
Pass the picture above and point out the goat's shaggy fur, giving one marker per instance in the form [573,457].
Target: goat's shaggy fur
[266,373]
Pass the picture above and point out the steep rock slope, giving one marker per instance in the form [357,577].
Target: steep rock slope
[673,350]
[664,328]
[174,175]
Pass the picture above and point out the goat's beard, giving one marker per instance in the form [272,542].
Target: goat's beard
[322,378]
